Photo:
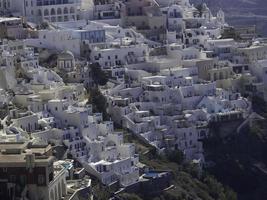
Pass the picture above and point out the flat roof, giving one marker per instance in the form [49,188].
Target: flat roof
[7,19]
[13,145]
[19,160]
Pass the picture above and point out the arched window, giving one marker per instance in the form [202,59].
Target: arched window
[53,12]
[66,11]
[46,12]
[39,12]
[59,11]
[72,10]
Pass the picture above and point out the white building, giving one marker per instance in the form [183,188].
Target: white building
[42,10]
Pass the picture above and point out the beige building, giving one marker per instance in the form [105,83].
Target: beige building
[28,172]
[204,66]
[12,27]
[220,73]
[252,53]
[146,16]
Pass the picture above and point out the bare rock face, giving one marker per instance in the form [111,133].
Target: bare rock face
[232,6]
[241,12]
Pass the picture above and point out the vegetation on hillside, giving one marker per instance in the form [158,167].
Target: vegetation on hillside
[240,161]
[187,184]
[96,98]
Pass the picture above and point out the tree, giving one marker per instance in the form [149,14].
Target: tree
[99,102]
[230,194]
[127,196]
[217,191]
[175,156]
[100,192]
[98,75]
[259,105]
[199,8]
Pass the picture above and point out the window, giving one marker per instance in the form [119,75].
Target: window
[104,168]
[53,11]
[46,12]
[59,11]
[72,10]
[41,179]
[65,11]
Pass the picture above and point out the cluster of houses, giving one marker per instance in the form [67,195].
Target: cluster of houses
[41,109]
[171,70]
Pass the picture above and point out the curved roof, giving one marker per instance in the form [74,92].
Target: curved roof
[66,55]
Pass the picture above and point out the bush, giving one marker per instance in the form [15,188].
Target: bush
[175,156]
[217,191]
[127,196]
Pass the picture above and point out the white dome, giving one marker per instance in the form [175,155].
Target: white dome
[66,55]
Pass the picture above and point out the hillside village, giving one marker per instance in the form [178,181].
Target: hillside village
[79,78]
